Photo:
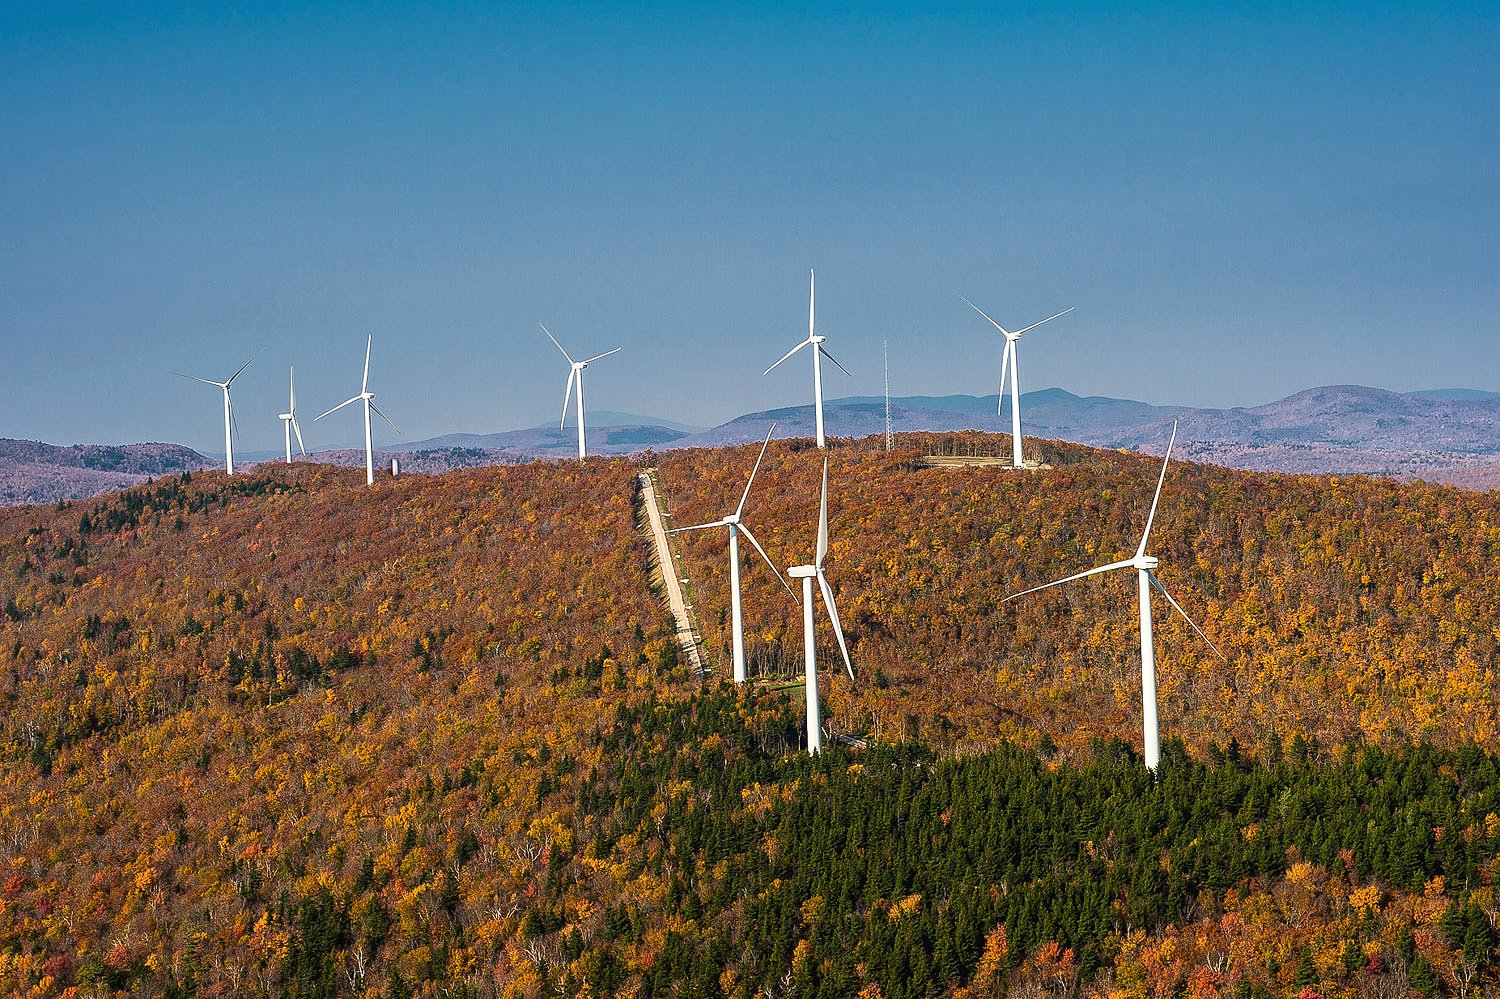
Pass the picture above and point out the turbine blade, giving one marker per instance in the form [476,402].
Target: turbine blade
[245,365]
[338,407]
[823,520]
[789,353]
[1004,369]
[1123,564]
[1178,607]
[986,315]
[292,379]
[195,378]
[234,422]
[387,419]
[567,397]
[554,340]
[1033,326]
[697,527]
[746,495]
[1155,499]
[769,564]
[298,431]
[835,360]
[364,386]
[596,357]
[812,297]
[833,619]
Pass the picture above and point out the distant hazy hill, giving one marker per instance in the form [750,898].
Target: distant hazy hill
[609,432]
[33,472]
[1454,393]
[1440,435]
[550,442]
[1445,435]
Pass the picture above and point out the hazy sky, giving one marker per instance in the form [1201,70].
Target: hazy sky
[1241,202]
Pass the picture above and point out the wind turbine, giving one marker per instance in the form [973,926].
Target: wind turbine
[229,422]
[575,374]
[289,420]
[818,352]
[735,524]
[807,573]
[1009,359]
[368,398]
[1145,566]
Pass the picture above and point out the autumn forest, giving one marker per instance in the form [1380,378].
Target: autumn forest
[283,734]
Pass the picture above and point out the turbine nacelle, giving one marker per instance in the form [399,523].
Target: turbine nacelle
[1147,562]
[804,572]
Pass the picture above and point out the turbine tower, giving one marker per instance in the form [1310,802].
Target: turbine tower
[1145,566]
[807,573]
[368,398]
[1010,359]
[890,438]
[229,422]
[289,420]
[575,374]
[818,352]
[736,524]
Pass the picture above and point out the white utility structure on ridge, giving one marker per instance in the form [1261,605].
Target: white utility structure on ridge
[1145,566]
[1011,360]
[368,398]
[575,374]
[229,422]
[289,419]
[807,573]
[818,352]
[736,524]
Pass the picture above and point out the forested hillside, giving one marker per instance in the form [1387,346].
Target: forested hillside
[1351,609]
[287,735]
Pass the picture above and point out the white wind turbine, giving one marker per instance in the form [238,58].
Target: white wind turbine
[368,398]
[736,524]
[818,352]
[229,422]
[289,420]
[575,374]
[807,573]
[1010,359]
[1144,565]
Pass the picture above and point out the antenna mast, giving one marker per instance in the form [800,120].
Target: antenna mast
[886,353]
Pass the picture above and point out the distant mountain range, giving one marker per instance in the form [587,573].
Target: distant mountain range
[1440,435]
[32,472]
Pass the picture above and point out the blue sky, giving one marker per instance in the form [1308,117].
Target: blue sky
[1240,201]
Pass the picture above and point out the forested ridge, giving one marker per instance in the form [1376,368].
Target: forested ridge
[283,734]
[1350,608]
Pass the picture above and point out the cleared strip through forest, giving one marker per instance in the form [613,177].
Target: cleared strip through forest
[687,635]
